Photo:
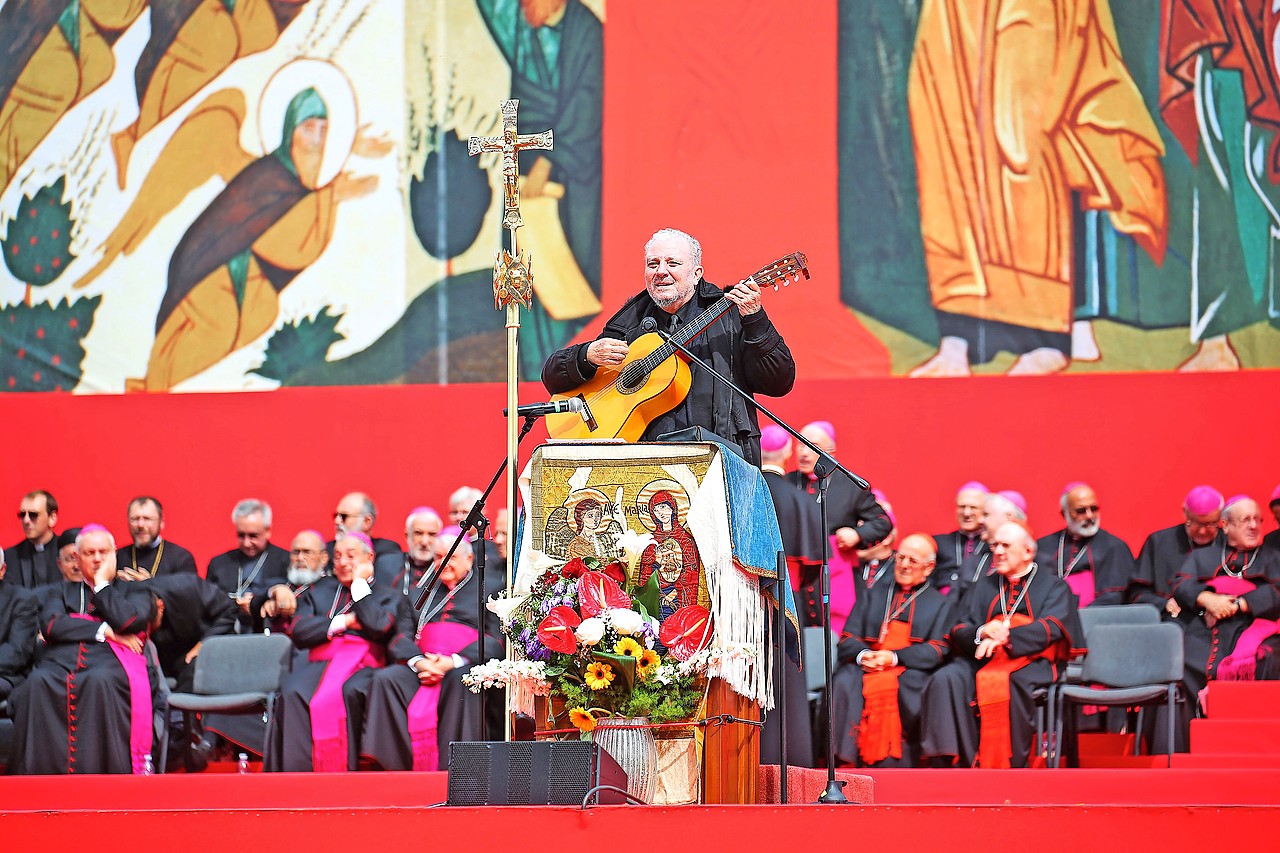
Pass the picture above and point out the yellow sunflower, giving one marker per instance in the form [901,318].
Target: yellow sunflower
[647,664]
[582,719]
[629,647]
[599,675]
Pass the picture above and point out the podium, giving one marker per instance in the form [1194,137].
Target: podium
[705,521]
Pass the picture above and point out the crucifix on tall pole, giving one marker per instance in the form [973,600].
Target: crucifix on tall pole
[512,278]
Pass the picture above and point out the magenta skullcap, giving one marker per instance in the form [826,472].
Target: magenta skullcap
[1235,499]
[826,427]
[313,532]
[1275,495]
[1203,500]
[773,438]
[359,536]
[1074,484]
[973,486]
[451,530]
[1014,498]
[94,528]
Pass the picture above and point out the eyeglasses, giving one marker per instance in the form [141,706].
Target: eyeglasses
[1084,510]
[344,517]
[1245,519]
[32,514]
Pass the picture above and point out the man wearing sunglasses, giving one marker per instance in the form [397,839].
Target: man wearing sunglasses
[356,513]
[33,562]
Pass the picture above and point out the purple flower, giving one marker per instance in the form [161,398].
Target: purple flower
[534,650]
[526,635]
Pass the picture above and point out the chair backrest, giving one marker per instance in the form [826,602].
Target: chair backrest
[252,663]
[1117,614]
[814,670]
[1132,655]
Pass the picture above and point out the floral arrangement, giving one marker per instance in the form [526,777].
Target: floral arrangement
[583,638]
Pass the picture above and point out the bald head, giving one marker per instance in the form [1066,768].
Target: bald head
[917,556]
[355,512]
[1242,521]
[1080,510]
[1013,549]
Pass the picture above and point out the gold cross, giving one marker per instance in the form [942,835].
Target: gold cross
[509,144]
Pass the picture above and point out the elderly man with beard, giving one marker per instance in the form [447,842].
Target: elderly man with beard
[404,716]
[966,540]
[87,706]
[1097,565]
[892,642]
[1164,551]
[150,553]
[1016,629]
[997,509]
[421,528]
[343,625]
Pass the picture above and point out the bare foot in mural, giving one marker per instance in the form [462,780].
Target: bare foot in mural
[951,359]
[1084,346]
[1213,354]
[1039,362]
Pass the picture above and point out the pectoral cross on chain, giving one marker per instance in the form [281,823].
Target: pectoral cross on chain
[510,143]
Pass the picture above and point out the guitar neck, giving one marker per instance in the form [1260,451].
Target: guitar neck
[685,334]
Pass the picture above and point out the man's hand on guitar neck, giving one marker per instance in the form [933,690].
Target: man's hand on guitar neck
[607,352]
[746,295]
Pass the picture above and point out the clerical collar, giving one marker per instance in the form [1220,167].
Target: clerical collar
[774,469]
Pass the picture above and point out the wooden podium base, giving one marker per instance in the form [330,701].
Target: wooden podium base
[730,752]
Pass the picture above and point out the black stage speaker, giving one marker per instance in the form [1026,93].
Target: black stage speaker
[521,773]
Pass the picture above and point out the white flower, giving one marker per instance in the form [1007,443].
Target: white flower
[626,622]
[633,544]
[665,675]
[590,631]
[503,607]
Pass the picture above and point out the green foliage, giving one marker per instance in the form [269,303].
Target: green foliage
[41,346]
[299,345]
[37,242]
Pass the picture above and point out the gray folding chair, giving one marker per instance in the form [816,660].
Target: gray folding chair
[1090,618]
[1127,666]
[235,674]
[814,669]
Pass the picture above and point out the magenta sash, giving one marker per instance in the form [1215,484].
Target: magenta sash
[1081,584]
[346,654]
[440,638]
[844,583]
[1242,663]
[141,732]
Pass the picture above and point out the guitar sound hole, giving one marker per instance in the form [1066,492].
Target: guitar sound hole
[630,380]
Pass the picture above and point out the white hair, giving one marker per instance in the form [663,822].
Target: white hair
[358,538]
[695,248]
[83,533]
[446,541]
[248,507]
[425,513]
[999,503]
[465,495]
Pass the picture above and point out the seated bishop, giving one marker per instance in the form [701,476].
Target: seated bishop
[86,707]
[342,624]
[893,640]
[404,716]
[1014,633]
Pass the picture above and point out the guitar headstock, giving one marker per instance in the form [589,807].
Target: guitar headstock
[783,271]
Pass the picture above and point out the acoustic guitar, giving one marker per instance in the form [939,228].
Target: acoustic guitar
[654,378]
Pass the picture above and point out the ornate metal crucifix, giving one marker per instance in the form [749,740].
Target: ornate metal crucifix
[512,280]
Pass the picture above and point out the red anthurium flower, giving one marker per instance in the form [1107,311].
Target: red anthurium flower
[575,568]
[556,631]
[617,571]
[686,632]
[597,592]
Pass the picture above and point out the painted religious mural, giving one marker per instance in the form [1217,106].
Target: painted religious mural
[1029,186]
[220,195]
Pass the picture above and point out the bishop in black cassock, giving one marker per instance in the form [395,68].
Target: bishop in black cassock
[963,542]
[239,574]
[404,716]
[87,706]
[1016,630]
[1097,565]
[892,642]
[343,624]
[1164,551]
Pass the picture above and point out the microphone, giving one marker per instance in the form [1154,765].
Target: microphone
[556,407]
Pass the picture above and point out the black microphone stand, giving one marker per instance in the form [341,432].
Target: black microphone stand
[475,519]
[825,466]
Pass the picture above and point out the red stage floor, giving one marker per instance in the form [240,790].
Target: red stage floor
[375,812]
